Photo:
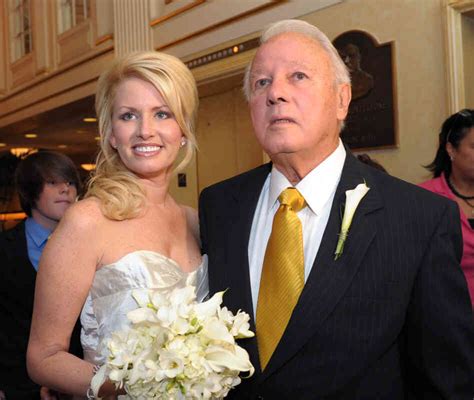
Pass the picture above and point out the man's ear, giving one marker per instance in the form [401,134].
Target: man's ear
[344,96]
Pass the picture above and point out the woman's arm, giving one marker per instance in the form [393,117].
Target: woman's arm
[65,274]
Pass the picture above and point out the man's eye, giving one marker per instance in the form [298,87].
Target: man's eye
[300,76]
[260,83]
[127,116]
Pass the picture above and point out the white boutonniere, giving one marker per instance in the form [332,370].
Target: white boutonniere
[353,198]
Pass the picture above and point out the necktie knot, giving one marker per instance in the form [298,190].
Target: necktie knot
[292,198]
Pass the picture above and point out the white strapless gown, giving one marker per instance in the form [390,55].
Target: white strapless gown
[110,297]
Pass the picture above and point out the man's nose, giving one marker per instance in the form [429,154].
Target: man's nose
[277,92]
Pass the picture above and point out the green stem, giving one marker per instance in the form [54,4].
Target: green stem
[340,243]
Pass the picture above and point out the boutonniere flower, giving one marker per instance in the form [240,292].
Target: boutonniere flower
[353,198]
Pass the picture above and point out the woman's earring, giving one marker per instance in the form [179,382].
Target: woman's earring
[183,141]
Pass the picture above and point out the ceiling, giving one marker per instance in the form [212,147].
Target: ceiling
[61,129]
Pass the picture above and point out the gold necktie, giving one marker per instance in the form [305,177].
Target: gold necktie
[282,275]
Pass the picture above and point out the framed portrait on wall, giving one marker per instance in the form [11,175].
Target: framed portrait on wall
[372,119]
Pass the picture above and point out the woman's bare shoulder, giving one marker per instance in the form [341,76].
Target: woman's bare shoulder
[79,236]
[83,215]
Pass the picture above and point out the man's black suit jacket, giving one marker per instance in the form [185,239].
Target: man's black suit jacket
[390,319]
[17,288]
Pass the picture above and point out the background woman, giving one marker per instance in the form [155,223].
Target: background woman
[453,172]
[128,233]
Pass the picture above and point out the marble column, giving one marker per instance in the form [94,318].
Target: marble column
[132,30]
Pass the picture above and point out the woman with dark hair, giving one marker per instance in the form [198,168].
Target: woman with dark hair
[47,184]
[366,159]
[453,177]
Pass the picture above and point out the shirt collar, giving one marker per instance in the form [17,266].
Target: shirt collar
[317,187]
[38,233]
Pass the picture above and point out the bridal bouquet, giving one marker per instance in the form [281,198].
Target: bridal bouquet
[177,348]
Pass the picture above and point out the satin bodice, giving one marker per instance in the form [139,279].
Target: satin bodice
[110,296]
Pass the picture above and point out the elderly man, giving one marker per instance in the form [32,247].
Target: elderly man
[382,312]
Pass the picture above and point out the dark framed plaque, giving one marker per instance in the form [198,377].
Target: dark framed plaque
[372,118]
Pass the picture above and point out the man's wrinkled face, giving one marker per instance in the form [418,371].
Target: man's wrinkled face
[295,104]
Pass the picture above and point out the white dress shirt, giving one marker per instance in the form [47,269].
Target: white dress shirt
[318,189]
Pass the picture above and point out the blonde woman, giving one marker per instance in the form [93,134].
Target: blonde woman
[128,233]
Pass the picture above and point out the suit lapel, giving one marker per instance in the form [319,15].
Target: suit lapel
[329,278]
[236,277]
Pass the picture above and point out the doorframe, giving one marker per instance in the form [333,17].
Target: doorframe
[454,10]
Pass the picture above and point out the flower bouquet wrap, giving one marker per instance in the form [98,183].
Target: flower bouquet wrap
[177,348]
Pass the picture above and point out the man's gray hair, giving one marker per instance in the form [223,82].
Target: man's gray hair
[304,28]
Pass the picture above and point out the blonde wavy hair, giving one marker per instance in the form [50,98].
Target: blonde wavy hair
[118,189]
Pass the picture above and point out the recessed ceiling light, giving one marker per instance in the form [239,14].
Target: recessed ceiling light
[20,151]
[13,216]
[90,119]
[97,138]
[62,146]
[31,135]
[3,144]
[88,167]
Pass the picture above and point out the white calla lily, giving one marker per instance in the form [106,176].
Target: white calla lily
[353,198]
[183,295]
[216,329]
[220,359]
[209,307]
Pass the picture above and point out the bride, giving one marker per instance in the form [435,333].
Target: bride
[128,233]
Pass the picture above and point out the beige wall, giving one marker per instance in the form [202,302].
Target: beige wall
[416,27]
[187,195]
[227,145]
[225,136]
